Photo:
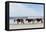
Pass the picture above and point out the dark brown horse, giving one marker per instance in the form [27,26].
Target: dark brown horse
[29,20]
[20,20]
[39,19]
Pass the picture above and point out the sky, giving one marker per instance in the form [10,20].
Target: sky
[21,10]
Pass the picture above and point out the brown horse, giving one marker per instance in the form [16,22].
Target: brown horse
[29,20]
[20,20]
[39,19]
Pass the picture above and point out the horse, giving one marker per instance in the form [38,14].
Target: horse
[20,20]
[29,20]
[39,19]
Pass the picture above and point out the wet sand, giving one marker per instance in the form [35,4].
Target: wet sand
[22,26]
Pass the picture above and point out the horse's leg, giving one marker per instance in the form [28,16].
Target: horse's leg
[17,22]
[37,21]
[29,22]
[41,21]
[33,22]
[23,22]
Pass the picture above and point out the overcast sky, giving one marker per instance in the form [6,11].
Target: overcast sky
[19,9]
